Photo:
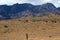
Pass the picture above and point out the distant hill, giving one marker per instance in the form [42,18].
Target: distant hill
[26,9]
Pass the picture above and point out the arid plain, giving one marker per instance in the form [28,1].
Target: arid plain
[38,28]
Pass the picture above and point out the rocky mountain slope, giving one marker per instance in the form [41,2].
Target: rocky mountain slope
[26,9]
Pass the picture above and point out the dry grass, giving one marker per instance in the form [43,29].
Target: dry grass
[38,28]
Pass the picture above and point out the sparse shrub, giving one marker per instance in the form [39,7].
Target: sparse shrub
[33,20]
[5,26]
[38,20]
[26,20]
[54,21]
[50,36]
[45,20]
[19,20]
[6,29]
[43,29]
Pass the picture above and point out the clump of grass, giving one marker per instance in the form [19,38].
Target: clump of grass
[6,29]
[33,20]
[5,26]
[36,20]
[45,20]
[50,36]
[43,29]
[19,20]
[54,21]
[25,21]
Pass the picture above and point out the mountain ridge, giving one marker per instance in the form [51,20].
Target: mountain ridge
[20,10]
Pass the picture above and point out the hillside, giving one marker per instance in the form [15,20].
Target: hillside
[38,28]
[26,10]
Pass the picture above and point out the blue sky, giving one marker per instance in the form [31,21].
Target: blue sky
[35,2]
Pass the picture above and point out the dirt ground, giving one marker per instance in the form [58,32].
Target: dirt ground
[39,30]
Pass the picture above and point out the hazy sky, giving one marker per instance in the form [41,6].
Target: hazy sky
[35,2]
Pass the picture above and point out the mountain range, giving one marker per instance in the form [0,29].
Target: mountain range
[27,9]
